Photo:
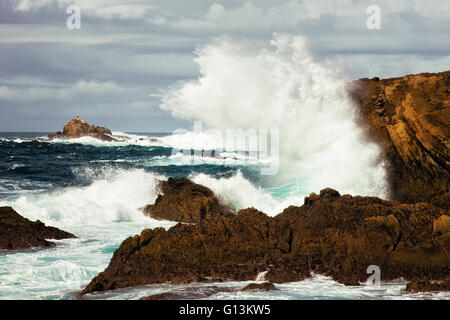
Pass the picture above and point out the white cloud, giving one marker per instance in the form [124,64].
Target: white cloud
[80,88]
[106,9]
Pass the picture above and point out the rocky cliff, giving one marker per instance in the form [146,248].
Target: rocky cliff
[409,118]
[77,128]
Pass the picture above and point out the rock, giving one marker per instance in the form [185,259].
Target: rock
[265,286]
[189,293]
[427,286]
[17,232]
[77,128]
[184,201]
[334,235]
[414,137]
[221,246]
[441,225]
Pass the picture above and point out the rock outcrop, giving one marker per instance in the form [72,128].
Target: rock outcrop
[335,235]
[17,232]
[428,286]
[190,293]
[185,201]
[77,128]
[265,286]
[409,118]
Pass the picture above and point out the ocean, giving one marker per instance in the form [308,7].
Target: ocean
[95,189]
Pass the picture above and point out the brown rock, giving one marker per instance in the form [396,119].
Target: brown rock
[441,225]
[427,286]
[184,201]
[414,134]
[189,293]
[77,128]
[17,232]
[265,286]
[335,235]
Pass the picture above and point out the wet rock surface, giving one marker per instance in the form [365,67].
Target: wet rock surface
[189,293]
[428,286]
[18,233]
[265,286]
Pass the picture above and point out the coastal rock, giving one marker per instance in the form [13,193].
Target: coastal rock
[265,286]
[17,232]
[222,246]
[409,118]
[185,201]
[428,286]
[334,235]
[77,128]
[189,293]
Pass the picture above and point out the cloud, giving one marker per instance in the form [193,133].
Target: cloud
[137,48]
[80,88]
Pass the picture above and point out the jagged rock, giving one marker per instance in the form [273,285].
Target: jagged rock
[184,201]
[427,286]
[414,135]
[77,128]
[265,286]
[17,232]
[335,235]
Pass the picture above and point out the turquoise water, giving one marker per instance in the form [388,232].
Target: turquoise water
[94,189]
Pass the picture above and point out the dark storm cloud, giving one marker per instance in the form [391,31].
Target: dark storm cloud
[124,54]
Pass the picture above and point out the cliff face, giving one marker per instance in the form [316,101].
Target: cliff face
[409,118]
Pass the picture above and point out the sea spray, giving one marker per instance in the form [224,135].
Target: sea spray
[281,86]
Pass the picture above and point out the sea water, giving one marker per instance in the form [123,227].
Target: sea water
[94,190]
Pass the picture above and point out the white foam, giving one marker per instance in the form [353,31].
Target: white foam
[240,193]
[281,86]
[113,195]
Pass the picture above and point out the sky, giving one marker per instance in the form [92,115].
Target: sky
[126,54]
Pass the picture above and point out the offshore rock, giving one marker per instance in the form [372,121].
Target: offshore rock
[77,128]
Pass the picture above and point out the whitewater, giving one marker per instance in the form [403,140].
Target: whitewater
[95,189]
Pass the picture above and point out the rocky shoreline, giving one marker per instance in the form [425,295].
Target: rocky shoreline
[334,235]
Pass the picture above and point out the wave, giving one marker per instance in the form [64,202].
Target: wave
[113,195]
[281,86]
[240,193]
